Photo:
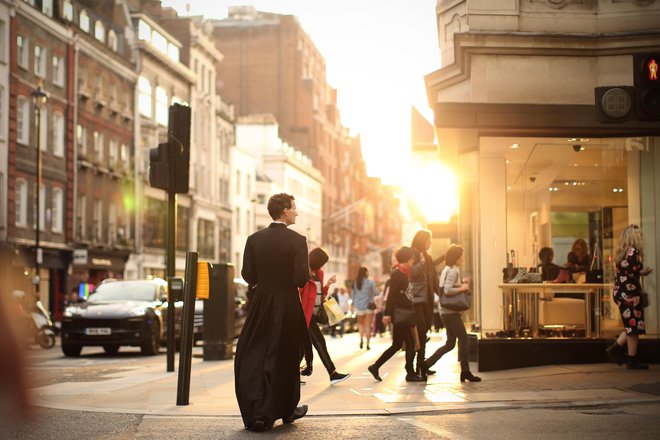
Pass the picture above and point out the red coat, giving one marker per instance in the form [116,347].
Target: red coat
[308,296]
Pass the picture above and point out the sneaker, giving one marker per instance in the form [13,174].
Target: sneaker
[335,377]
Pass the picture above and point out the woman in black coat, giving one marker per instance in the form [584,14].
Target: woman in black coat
[402,332]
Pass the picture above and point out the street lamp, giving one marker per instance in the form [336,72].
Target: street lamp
[40,98]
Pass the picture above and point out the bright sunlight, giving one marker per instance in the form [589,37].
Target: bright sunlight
[432,186]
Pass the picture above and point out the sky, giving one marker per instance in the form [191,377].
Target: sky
[377,53]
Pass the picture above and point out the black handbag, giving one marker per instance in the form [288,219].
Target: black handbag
[404,316]
[459,303]
[322,316]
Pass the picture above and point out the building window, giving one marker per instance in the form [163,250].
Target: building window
[112,223]
[182,228]
[238,220]
[40,61]
[112,40]
[112,154]
[173,51]
[47,7]
[81,139]
[98,144]
[123,156]
[42,209]
[2,102]
[84,21]
[81,215]
[22,49]
[57,211]
[58,128]
[58,71]
[206,239]
[99,31]
[154,222]
[238,182]
[21,203]
[67,10]
[162,102]
[43,130]
[159,41]
[23,120]
[144,97]
[3,51]
[98,218]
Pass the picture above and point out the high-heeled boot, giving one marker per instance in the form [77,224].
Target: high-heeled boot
[466,375]
[615,353]
[634,364]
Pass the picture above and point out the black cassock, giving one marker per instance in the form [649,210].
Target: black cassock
[267,363]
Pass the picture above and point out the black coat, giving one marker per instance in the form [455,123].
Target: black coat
[425,282]
[266,369]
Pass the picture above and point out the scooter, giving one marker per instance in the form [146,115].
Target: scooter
[44,334]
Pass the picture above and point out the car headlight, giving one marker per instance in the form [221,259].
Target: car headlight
[137,312]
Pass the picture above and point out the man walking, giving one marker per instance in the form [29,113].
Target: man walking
[266,368]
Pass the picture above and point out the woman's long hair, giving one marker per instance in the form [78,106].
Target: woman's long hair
[419,240]
[630,238]
[361,276]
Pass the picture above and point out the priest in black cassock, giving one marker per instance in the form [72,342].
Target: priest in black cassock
[267,365]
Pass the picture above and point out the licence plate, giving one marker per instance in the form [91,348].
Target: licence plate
[95,331]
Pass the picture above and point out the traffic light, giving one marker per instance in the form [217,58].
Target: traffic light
[646,70]
[178,136]
[615,104]
[159,166]
[169,163]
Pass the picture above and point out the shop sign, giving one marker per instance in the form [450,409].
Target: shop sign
[101,262]
[79,257]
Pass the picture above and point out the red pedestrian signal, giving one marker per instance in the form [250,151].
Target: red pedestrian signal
[646,68]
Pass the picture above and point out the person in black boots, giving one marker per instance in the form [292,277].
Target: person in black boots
[424,280]
[452,284]
[629,297]
[399,308]
[312,297]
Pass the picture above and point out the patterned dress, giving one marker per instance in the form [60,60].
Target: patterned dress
[628,292]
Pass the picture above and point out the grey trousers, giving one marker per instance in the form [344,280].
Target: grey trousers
[455,330]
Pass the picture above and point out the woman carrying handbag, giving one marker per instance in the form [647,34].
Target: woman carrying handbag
[452,285]
[399,309]
[312,297]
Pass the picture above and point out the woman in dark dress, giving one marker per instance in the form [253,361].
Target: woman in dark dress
[401,332]
[628,296]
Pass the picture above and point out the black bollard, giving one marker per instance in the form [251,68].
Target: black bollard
[185,357]
[219,314]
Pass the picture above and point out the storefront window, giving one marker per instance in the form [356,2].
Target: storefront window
[154,222]
[571,198]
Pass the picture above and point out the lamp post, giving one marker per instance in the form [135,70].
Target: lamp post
[40,98]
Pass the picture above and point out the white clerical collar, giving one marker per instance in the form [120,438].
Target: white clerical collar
[282,223]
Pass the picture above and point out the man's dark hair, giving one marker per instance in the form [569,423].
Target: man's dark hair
[546,254]
[278,203]
[404,254]
[453,254]
[317,258]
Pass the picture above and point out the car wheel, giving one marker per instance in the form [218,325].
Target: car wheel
[151,345]
[71,350]
[111,349]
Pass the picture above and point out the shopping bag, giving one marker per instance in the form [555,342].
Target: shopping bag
[334,312]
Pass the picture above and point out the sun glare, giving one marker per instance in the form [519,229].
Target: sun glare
[433,188]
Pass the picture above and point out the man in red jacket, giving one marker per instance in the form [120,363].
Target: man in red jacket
[312,296]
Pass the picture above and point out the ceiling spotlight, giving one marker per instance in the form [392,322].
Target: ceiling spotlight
[515,146]
[507,161]
[508,188]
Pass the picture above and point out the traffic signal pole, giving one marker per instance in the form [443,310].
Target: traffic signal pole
[170,269]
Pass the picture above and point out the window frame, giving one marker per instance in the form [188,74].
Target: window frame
[58,134]
[20,205]
[23,57]
[23,120]
[57,211]
[58,71]
[84,21]
[40,61]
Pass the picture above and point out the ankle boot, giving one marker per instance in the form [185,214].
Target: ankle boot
[635,364]
[466,375]
[615,353]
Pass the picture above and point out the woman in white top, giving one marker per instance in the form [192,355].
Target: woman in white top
[363,294]
[451,282]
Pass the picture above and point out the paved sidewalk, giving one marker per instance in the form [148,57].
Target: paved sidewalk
[150,390]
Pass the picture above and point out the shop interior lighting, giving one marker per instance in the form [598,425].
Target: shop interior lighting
[620,190]
[515,146]
[577,140]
